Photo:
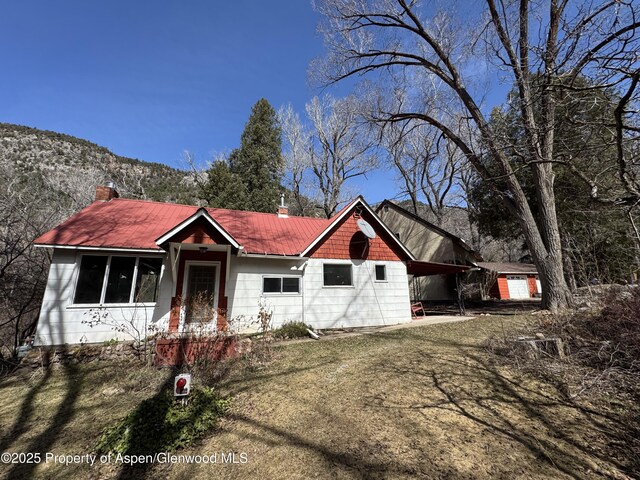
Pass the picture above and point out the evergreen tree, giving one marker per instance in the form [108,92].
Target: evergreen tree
[596,237]
[258,162]
[224,189]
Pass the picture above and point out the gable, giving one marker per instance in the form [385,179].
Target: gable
[199,231]
[345,241]
[201,219]
[425,243]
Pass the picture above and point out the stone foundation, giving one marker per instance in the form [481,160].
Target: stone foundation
[160,352]
[74,354]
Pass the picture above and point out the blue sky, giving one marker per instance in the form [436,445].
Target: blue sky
[149,80]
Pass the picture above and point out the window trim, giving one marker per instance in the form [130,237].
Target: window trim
[375,274]
[105,281]
[289,294]
[349,264]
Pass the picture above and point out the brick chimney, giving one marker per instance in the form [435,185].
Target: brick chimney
[106,192]
[283,210]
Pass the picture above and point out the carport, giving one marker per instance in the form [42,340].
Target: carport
[425,269]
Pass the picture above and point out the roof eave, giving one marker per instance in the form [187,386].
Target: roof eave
[100,248]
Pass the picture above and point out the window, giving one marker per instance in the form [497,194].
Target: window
[148,278]
[381,273]
[290,285]
[271,285]
[337,275]
[281,284]
[110,279]
[120,280]
[91,278]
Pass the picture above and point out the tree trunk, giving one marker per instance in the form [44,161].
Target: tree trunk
[555,293]
[547,255]
[569,272]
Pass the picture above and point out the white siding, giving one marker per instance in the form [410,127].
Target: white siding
[61,322]
[366,303]
[244,290]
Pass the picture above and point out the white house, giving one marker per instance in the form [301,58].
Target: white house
[139,262]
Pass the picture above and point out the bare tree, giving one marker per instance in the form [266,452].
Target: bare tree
[29,206]
[427,165]
[297,157]
[536,47]
[334,145]
[341,148]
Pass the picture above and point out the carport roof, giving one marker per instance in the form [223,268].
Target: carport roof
[509,267]
[424,269]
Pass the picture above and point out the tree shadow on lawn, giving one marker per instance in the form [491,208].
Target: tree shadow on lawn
[140,470]
[360,459]
[64,414]
[557,430]
[74,381]
[231,386]
[354,454]
[237,384]
[26,411]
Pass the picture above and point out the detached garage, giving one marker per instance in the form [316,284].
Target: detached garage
[515,281]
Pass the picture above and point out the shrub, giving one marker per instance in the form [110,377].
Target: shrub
[292,330]
[602,348]
[162,424]
[610,338]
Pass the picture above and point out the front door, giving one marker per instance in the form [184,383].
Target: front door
[201,293]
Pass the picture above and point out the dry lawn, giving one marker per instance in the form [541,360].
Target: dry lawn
[424,402]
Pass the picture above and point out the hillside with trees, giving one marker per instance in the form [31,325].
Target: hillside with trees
[46,177]
[73,166]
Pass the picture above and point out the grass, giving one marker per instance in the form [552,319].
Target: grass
[422,402]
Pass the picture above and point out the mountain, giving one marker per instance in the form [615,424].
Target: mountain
[73,166]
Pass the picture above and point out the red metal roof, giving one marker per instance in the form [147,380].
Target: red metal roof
[136,224]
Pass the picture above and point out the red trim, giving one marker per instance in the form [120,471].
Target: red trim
[503,287]
[200,231]
[174,319]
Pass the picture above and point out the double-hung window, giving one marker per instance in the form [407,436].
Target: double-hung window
[109,279]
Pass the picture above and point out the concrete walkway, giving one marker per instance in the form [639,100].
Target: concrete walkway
[428,320]
[421,322]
